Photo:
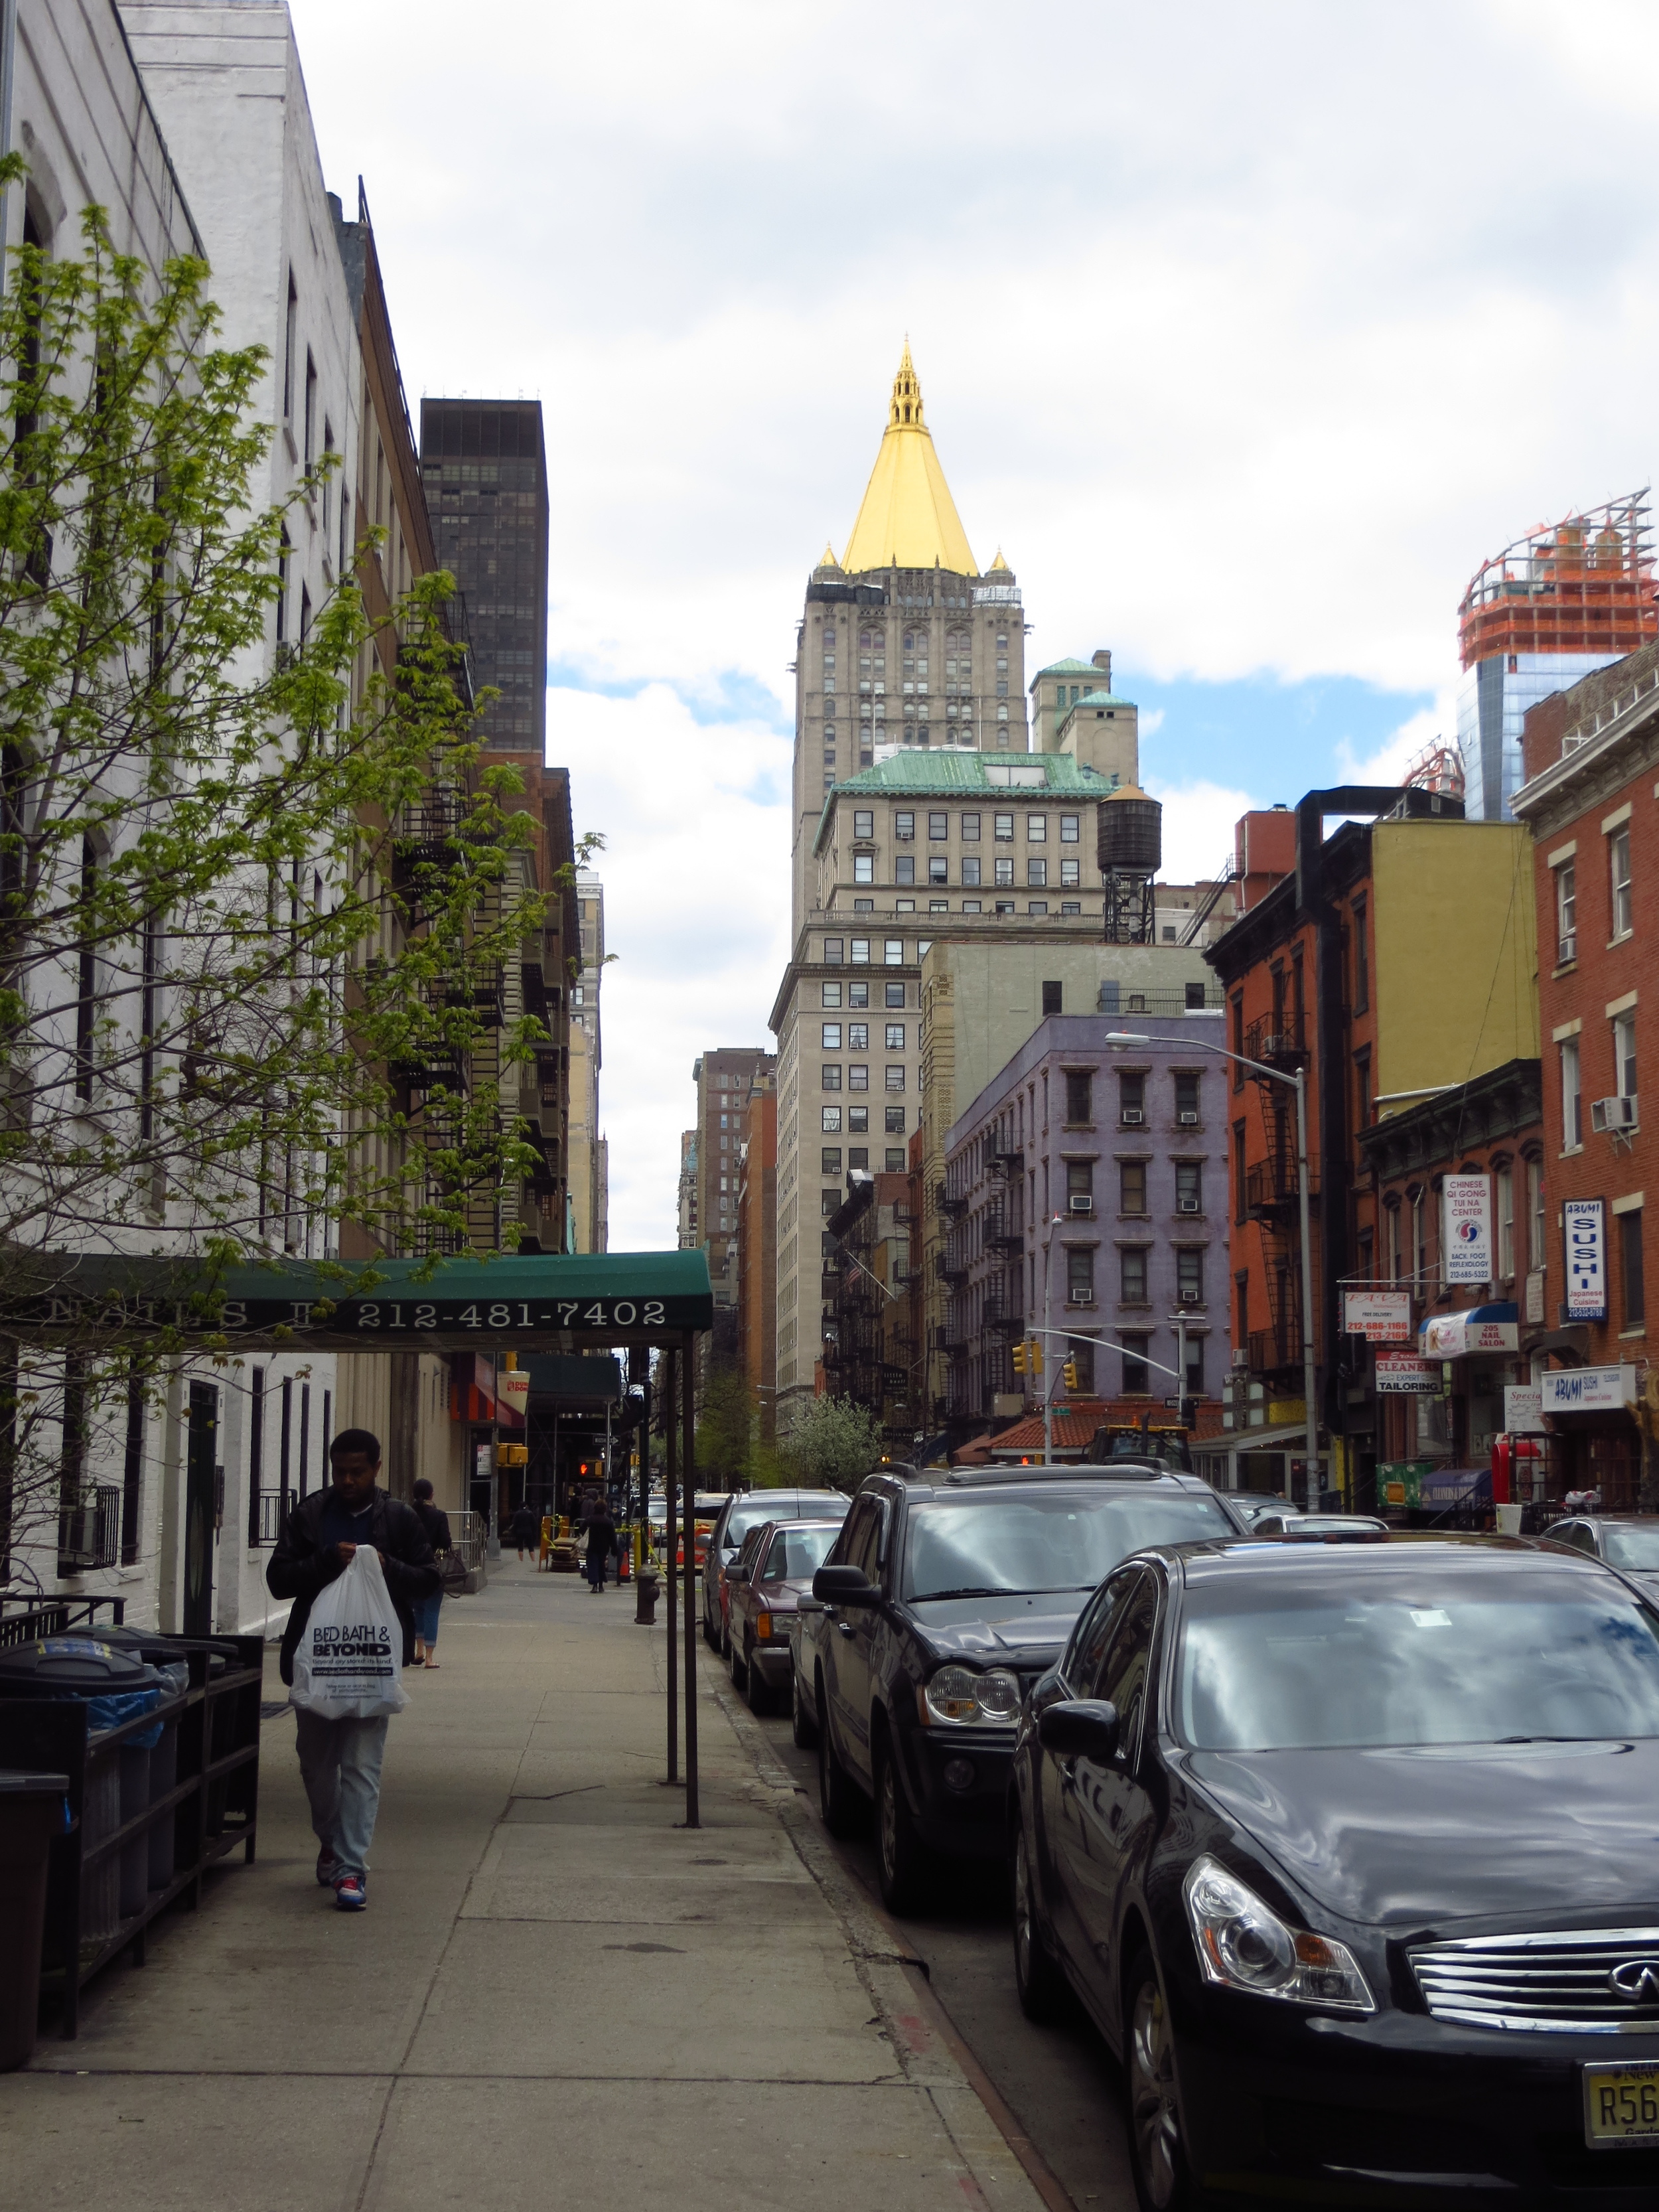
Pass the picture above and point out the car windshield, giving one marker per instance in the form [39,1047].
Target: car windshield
[1044,1539]
[797,1553]
[768,1506]
[1271,1662]
[1157,1445]
[1632,1547]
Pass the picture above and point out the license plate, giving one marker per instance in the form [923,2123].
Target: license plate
[1621,2104]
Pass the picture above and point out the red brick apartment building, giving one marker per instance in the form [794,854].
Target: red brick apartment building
[1590,797]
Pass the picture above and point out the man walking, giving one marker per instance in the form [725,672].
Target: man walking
[340,1760]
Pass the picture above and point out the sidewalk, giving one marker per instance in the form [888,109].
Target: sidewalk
[555,1991]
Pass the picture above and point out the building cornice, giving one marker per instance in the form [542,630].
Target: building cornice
[1624,746]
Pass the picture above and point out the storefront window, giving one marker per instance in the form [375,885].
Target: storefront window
[1505,1223]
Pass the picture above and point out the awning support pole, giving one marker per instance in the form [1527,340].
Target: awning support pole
[671,1487]
[688,1458]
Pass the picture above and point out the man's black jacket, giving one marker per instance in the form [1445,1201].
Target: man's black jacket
[300,1567]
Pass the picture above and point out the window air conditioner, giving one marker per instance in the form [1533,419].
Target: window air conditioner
[1186,1205]
[1567,948]
[1187,1120]
[1131,1117]
[1608,1114]
[1076,1297]
[1080,1202]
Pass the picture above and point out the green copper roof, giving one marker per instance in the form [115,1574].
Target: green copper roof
[1070,668]
[920,772]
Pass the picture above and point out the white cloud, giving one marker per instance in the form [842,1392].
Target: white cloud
[1199,819]
[1393,760]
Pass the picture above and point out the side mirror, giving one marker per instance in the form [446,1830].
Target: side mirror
[736,1574]
[848,1586]
[1080,1728]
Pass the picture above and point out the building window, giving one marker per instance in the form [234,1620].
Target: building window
[1362,964]
[1002,829]
[1195,1366]
[1618,876]
[860,952]
[1080,1350]
[832,950]
[1189,1275]
[1069,834]
[1131,1186]
[1070,872]
[1624,1055]
[1079,1100]
[858,1076]
[938,869]
[858,1155]
[895,1078]
[939,828]
[1393,1212]
[1362,1069]
[832,994]
[864,822]
[1185,1101]
[895,1036]
[1037,828]
[830,1121]
[830,1157]
[895,1123]
[1080,1181]
[893,996]
[1506,1179]
[1036,874]
[1189,1186]
[1238,1172]
[831,1078]
[893,952]
[972,906]
[1132,1100]
[1535,1214]
[1136,1377]
[1004,875]
[1132,1274]
[970,876]
[1079,1275]
[832,1036]
[1573,1097]
[1070,906]
[858,1121]
[1052,997]
[828,1201]
[970,828]
[1630,1267]
[858,994]
[864,905]
[905,869]
[864,867]
[858,1037]
[904,827]
[1566,913]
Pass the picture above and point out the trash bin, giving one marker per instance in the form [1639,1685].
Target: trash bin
[31,1811]
[118,1686]
[169,1655]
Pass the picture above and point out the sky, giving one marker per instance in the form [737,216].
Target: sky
[1245,332]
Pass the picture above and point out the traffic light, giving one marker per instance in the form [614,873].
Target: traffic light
[513,1455]
[1034,1355]
[1069,1371]
[1019,1356]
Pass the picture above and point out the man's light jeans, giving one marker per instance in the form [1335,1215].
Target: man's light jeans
[340,1767]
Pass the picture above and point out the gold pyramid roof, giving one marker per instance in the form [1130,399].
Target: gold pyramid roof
[909,518]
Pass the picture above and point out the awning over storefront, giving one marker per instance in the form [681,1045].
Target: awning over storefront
[1448,1486]
[1495,1328]
[541,1301]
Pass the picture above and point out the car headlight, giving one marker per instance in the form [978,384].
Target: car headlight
[963,1699]
[1244,1945]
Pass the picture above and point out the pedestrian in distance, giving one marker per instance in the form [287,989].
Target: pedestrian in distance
[601,1535]
[435,1522]
[522,1530]
[340,1759]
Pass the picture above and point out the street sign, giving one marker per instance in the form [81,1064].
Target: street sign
[1467,1203]
[1380,1316]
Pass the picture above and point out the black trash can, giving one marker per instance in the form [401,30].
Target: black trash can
[170,1656]
[32,1813]
[119,1687]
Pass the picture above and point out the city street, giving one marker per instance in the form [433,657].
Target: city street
[553,1978]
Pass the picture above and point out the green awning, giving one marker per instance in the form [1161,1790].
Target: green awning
[530,1301]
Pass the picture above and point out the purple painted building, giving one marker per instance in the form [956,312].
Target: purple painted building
[1087,1191]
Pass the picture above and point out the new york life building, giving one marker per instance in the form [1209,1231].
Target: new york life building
[1591,801]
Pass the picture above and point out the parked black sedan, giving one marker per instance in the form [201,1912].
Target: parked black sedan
[946,1596]
[1352,1854]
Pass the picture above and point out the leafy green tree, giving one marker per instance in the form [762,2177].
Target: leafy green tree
[832,1443]
[724,1420]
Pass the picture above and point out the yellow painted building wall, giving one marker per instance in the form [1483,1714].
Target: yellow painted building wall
[1454,959]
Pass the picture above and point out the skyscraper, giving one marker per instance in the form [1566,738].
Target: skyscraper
[485,467]
[1560,601]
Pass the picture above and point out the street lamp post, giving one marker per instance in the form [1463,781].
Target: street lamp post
[1297,1083]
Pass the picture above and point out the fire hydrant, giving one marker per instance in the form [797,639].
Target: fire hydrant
[644,1597]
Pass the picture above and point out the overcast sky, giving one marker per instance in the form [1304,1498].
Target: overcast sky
[1245,331]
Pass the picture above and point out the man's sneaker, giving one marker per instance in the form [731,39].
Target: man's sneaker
[351,1892]
[328,1869]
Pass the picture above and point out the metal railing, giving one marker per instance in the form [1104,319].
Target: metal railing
[467,1538]
[90,1529]
[1277,1039]
[1274,1182]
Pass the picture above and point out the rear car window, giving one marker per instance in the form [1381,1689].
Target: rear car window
[1045,1539]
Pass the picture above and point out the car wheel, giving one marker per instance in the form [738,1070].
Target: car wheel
[1042,1989]
[739,1670]
[759,1694]
[839,1802]
[905,1866]
[802,1725]
[1157,2154]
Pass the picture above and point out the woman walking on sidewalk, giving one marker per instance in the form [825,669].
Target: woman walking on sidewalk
[601,1535]
[435,1522]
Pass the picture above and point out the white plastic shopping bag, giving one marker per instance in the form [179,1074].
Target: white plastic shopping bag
[347,1662]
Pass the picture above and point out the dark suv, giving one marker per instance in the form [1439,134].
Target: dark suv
[946,1596]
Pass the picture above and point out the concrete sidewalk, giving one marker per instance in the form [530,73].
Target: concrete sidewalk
[555,1991]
